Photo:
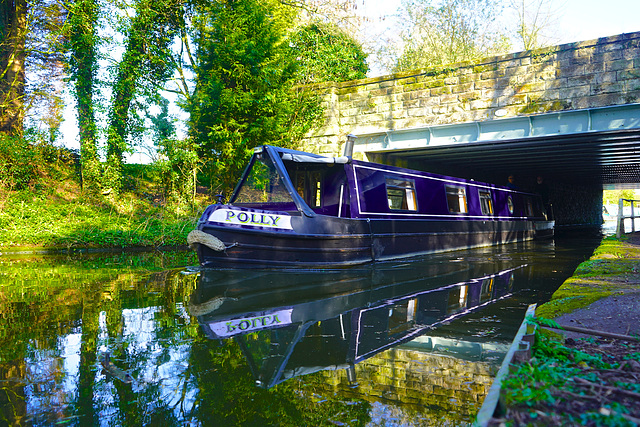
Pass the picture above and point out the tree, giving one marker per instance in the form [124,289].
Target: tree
[326,53]
[612,197]
[535,22]
[30,65]
[82,43]
[446,32]
[245,91]
[13,32]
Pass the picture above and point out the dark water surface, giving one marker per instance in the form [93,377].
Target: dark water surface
[415,342]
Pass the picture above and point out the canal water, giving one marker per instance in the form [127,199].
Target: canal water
[147,339]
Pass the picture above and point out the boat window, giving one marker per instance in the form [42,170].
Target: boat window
[263,184]
[528,203]
[486,290]
[486,203]
[401,194]
[309,187]
[510,204]
[457,199]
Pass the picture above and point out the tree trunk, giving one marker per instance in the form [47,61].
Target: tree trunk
[13,29]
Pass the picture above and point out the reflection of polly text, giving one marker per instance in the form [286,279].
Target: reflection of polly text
[232,327]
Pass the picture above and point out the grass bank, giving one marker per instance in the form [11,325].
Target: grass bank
[54,214]
[612,269]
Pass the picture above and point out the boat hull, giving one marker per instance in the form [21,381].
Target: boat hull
[327,242]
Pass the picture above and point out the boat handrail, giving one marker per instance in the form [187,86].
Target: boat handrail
[301,158]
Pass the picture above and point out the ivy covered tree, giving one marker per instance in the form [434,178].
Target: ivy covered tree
[13,34]
[327,53]
[82,47]
[246,78]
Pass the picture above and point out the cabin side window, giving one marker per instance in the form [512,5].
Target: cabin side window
[486,202]
[401,194]
[528,205]
[309,187]
[510,205]
[456,199]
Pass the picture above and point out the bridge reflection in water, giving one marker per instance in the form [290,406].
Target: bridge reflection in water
[343,322]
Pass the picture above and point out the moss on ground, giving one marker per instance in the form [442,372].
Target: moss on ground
[612,269]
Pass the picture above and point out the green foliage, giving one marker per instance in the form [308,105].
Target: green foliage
[178,169]
[29,219]
[448,32]
[144,68]
[245,86]
[24,161]
[179,160]
[612,197]
[41,204]
[533,386]
[326,53]
[531,383]
[17,163]
[541,321]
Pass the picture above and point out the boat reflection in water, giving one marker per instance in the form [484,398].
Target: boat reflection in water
[295,323]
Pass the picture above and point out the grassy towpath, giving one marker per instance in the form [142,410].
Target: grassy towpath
[584,379]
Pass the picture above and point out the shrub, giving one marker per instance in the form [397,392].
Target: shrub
[24,160]
[18,160]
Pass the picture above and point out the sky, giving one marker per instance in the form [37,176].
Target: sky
[590,19]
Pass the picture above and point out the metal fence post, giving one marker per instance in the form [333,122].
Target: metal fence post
[620,227]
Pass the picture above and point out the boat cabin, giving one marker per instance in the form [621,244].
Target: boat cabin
[284,180]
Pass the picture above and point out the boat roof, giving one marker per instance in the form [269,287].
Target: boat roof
[304,157]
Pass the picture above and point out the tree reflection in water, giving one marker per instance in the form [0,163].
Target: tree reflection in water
[58,315]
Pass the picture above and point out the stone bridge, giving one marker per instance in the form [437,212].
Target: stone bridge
[570,113]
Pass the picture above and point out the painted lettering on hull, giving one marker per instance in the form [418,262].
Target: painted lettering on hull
[254,219]
[233,327]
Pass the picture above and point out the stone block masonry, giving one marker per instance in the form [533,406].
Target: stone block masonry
[589,74]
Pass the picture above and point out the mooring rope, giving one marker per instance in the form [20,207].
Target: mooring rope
[197,236]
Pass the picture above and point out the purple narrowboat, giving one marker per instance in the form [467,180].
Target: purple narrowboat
[303,210]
